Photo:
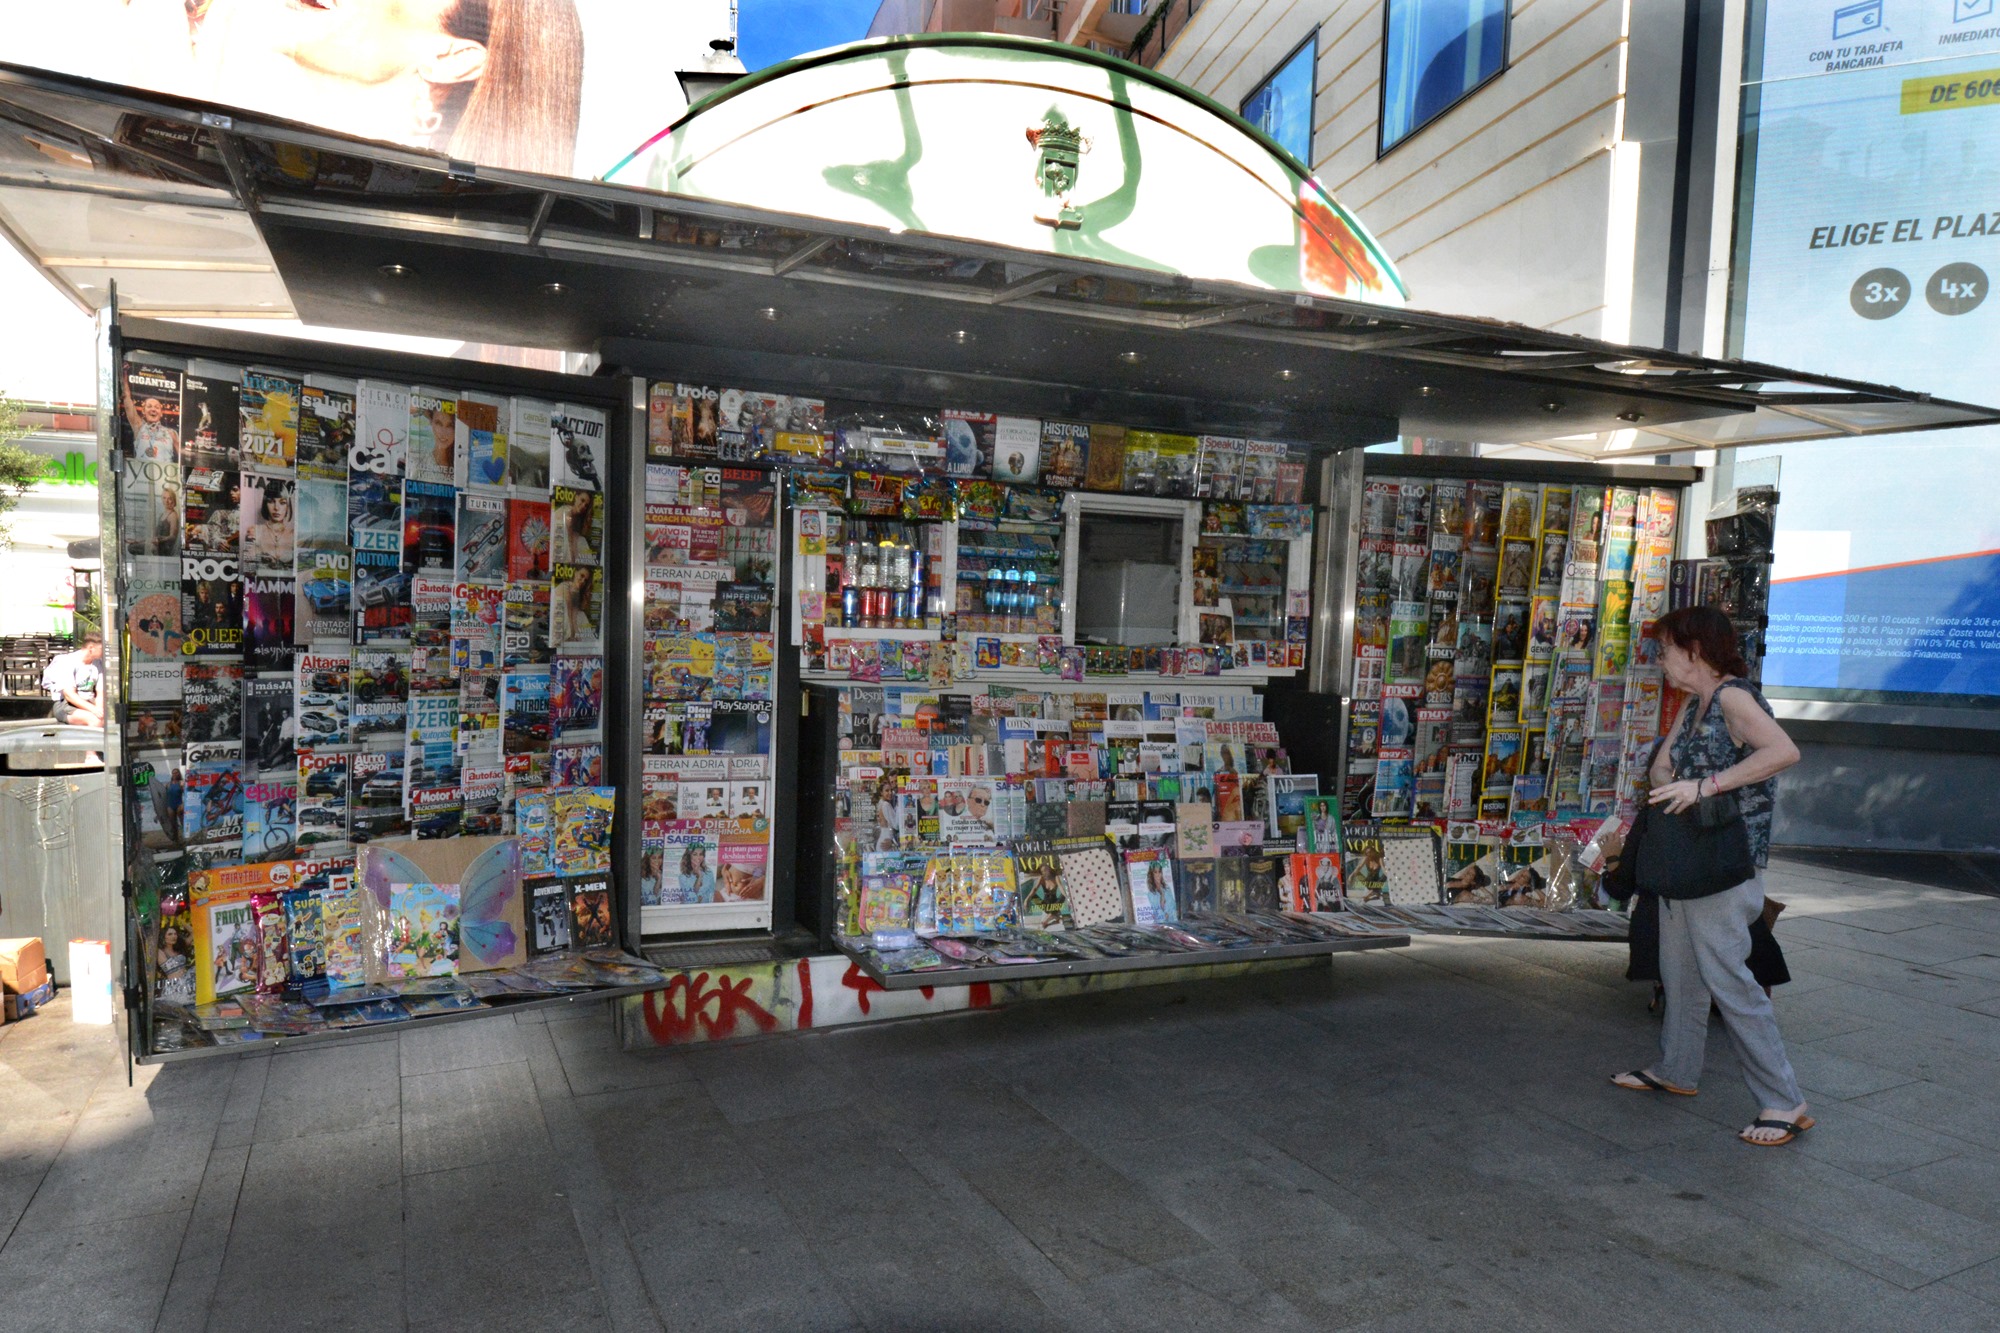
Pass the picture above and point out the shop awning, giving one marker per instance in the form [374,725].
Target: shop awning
[199,211]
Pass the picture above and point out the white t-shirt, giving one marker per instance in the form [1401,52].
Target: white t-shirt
[70,672]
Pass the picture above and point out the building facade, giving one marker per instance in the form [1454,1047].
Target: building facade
[1792,181]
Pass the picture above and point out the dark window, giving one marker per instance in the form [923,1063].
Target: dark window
[1434,52]
[1282,105]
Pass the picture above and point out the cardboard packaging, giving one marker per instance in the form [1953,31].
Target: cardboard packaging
[24,966]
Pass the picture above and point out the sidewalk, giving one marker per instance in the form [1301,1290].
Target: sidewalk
[1413,1139]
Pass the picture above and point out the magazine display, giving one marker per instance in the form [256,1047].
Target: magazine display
[1504,677]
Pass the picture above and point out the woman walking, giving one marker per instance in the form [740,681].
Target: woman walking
[1725,741]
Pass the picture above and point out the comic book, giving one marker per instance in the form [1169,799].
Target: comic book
[577,447]
[423,935]
[524,710]
[375,513]
[322,686]
[323,607]
[430,516]
[576,604]
[591,918]
[375,794]
[211,702]
[268,421]
[576,693]
[212,806]
[225,927]
[480,461]
[267,523]
[383,612]
[528,447]
[268,729]
[210,503]
[581,841]
[547,904]
[325,433]
[527,539]
[481,538]
[379,681]
[211,606]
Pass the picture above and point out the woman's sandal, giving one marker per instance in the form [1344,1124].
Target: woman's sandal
[1792,1128]
[1652,1084]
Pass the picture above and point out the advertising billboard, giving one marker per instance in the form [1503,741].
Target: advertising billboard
[562,87]
[1868,233]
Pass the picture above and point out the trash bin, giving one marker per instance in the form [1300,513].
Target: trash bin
[55,843]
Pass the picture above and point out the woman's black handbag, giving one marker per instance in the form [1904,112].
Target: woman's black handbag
[1703,850]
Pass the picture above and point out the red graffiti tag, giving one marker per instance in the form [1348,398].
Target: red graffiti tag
[689,1001]
[861,984]
[805,994]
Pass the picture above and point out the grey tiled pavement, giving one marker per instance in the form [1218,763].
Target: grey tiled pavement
[1420,1139]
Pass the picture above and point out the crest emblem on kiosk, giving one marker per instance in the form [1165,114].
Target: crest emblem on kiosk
[1062,149]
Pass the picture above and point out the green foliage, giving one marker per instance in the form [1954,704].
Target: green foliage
[19,468]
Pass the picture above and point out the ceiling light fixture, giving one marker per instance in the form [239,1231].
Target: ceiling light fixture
[1552,406]
[769,312]
[397,271]
[1129,358]
[1632,416]
[1288,374]
[554,289]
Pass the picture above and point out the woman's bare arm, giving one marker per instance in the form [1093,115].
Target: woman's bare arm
[1771,750]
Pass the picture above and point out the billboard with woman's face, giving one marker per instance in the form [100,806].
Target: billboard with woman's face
[555,86]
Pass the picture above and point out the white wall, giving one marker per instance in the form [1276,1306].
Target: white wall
[1537,199]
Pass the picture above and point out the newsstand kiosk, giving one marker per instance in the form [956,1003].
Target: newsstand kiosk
[956,575]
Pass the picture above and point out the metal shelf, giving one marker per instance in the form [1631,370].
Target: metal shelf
[1073,967]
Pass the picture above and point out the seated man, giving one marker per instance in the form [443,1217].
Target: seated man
[75,681]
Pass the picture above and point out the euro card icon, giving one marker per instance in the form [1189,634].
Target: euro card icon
[1857,20]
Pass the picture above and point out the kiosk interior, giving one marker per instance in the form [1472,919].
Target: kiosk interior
[981,608]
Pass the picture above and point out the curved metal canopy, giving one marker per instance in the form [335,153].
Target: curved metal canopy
[362,235]
[1025,143]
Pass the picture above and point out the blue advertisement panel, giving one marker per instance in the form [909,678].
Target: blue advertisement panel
[1868,235]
